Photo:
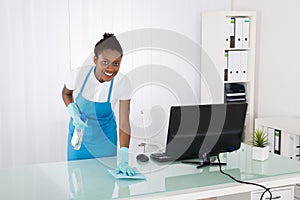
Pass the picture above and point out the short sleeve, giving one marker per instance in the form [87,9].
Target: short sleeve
[70,81]
[124,88]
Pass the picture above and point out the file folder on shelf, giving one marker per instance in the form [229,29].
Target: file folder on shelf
[226,66]
[246,29]
[229,37]
[294,147]
[297,147]
[277,141]
[230,66]
[234,62]
[238,34]
[270,132]
[244,65]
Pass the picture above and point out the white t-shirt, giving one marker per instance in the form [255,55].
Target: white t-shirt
[96,91]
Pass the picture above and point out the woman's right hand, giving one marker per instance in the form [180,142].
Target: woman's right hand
[76,116]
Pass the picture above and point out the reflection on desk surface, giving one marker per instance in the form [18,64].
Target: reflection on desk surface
[205,178]
[90,179]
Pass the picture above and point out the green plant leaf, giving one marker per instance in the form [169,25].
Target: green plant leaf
[260,139]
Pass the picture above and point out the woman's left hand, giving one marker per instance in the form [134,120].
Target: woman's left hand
[123,166]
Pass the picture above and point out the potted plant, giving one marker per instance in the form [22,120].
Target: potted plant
[260,149]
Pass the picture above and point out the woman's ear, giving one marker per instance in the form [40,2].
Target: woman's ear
[95,59]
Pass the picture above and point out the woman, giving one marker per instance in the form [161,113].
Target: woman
[95,88]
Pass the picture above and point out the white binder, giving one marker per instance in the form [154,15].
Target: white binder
[293,146]
[234,66]
[246,29]
[271,139]
[297,147]
[238,35]
[237,65]
[230,66]
[244,65]
[229,35]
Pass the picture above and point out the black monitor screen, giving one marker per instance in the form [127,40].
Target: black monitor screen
[205,129]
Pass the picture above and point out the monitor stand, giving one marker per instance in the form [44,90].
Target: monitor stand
[205,161]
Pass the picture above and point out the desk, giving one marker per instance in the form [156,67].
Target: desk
[89,179]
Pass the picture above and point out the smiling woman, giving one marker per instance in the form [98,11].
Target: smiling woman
[108,63]
[108,55]
[94,88]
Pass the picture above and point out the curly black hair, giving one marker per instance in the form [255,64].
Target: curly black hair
[109,41]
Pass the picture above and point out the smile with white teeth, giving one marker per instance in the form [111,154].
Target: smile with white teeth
[108,74]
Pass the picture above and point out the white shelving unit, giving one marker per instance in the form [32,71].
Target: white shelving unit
[213,64]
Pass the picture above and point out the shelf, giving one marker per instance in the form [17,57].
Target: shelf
[237,49]
[240,81]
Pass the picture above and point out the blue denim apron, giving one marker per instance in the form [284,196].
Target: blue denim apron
[100,136]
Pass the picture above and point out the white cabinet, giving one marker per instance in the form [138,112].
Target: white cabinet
[297,192]
[289,140]
[279,193]
[228,57]
[283,134]
[283,193]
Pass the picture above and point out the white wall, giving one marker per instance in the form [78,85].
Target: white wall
[278,64]
[37,51]
[34,57]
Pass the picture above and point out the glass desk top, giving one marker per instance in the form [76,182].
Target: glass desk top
[90,179]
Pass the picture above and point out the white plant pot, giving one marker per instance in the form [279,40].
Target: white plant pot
[260,153]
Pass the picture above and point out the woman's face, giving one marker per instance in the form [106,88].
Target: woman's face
[107,64]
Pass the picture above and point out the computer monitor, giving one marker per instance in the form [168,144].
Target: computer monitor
[200,131]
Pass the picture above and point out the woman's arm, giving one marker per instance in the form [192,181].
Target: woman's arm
[67,95]
[124,125]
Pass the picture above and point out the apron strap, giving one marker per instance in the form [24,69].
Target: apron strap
[85,80]
[110,89]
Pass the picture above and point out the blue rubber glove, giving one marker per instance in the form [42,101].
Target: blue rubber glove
[77,116]
[123,163]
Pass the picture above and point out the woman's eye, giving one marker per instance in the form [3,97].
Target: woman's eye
[116,64]
[105,62]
